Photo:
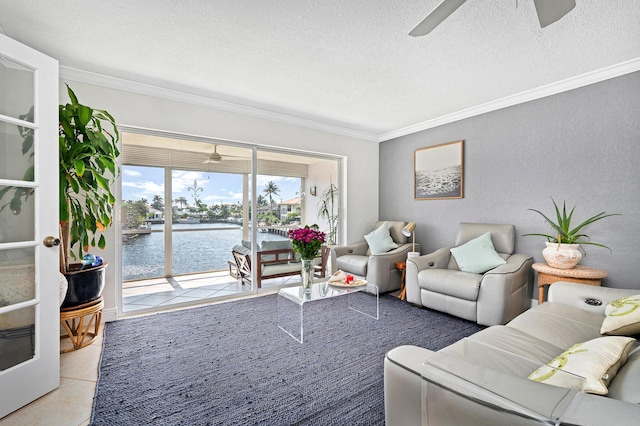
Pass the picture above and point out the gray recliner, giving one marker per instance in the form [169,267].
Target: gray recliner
[490,298]
[379,269]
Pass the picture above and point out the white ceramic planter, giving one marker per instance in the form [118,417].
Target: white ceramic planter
[562,256]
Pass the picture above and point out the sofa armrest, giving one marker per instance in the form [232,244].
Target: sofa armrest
[575,295]
[398,254]
[456,391]
[360,248]
[514,263]
[504,291]
[381,267]
[438,259]
[403,386]
[472,387]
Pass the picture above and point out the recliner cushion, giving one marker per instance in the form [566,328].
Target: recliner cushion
[242,250]
[353,264]
[276,245]
[247,244]
[380,240]
[478,255]
[461,285]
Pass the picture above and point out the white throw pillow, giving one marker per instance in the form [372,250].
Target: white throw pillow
[622,317]
[380,240]
[596,361]
[478,255]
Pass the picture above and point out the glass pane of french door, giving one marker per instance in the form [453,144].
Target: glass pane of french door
[17,211]
[29,300]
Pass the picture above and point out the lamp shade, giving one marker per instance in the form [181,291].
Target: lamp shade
[408,230]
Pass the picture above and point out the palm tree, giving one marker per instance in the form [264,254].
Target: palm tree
[181,201]
[157,203]
[271,189]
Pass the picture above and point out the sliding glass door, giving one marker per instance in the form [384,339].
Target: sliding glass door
[186,202]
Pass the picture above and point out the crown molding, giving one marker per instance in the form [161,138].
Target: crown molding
[582,80]
[82,76]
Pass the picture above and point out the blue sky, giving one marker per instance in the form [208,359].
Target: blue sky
[145,182]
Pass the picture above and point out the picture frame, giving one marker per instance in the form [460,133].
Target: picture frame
[312,190]
[439,171]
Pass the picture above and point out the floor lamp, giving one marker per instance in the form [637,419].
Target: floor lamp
[410,231]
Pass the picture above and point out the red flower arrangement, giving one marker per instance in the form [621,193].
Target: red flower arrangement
[307,241]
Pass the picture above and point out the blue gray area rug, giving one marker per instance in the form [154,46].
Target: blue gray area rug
[229,364]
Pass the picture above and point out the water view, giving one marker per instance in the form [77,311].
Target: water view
[196,249]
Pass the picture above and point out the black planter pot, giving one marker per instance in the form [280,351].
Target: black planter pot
[84,285]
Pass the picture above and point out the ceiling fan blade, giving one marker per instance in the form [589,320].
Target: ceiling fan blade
[435,18]
[549,11]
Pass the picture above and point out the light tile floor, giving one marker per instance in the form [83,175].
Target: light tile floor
[149,295]
[71,403]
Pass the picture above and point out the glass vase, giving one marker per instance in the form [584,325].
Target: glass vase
[307,275]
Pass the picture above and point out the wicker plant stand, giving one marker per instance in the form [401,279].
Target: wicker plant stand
[548,275]
[72,319]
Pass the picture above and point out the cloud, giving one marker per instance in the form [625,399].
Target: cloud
[181,180]
[129,172]
[143,189]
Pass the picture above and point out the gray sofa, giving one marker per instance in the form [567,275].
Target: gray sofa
[489,298]
[379,269]
[482,379]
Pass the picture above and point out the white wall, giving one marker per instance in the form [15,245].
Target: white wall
[161,114]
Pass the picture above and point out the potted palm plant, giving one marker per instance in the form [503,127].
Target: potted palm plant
[88,168]
[564,245]
[327,211]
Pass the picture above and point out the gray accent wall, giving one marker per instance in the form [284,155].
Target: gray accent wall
[582,146]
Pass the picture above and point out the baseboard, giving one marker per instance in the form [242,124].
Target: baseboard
[109,315]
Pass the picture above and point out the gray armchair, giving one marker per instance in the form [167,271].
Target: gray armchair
[493,297]
[379,269]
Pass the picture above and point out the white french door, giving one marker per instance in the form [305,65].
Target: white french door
[29,283]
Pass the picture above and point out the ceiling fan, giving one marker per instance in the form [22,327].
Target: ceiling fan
[549,11]
[215,157]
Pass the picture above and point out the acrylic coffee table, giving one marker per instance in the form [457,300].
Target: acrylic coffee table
[292,300]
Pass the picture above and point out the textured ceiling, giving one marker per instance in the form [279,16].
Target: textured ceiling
[347,63]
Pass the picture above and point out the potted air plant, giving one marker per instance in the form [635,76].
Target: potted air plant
[563,249]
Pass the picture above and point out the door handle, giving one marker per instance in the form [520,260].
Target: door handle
[51,241]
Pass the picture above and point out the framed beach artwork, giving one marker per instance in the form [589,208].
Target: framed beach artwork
[438,171]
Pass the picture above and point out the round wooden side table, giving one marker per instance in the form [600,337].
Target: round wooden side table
[402,267]
[72,320]
[579,274]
